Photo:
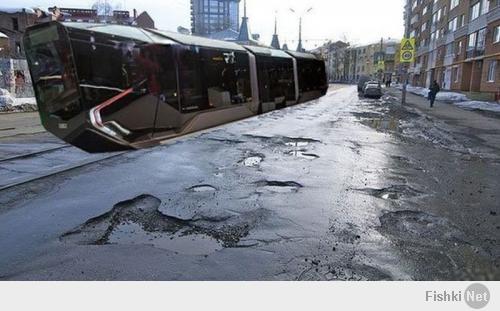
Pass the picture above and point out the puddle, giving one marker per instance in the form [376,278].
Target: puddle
[392,192]
[253,161]
[380,124]
[303,154]
[280,186]
[144,221]
[129,233]
[420,227]
[298,144]
[203,188]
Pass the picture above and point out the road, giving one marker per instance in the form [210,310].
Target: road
[341,188]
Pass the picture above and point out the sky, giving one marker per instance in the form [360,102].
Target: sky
[357,21]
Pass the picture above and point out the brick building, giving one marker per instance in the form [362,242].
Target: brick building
[458,45]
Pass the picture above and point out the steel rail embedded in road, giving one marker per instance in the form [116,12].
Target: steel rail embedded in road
[57,172]
[32,154]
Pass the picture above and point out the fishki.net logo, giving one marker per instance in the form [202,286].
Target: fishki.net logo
[477,296]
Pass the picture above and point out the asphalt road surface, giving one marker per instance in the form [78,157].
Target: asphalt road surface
[341,188]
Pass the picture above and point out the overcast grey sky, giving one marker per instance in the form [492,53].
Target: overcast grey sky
[360,21]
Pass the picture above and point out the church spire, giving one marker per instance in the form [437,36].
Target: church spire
[275,43]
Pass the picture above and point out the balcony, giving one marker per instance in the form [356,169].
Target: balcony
[493,15]
[462,31]
[473,53]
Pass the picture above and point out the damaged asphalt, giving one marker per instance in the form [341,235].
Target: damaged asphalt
[342,188]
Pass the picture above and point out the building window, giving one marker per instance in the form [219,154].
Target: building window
[15,24]
[492,70]
[496,36]
[454,3]
[475,11]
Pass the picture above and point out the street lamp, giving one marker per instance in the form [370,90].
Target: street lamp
[299,46]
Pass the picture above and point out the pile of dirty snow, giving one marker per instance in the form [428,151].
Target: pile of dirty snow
[479,105]
[9,103]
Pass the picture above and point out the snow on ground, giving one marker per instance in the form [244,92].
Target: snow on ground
[479,105]
[457,99]
[9,103]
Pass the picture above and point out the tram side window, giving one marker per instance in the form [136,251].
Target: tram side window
[276,78]
[312,75]
[227,77]
[99,77]
[167,77]
[192,84]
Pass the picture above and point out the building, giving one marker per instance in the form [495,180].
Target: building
[213,16]
[346,63]
[4,45]
[120,17]
[13,23]
[458,45]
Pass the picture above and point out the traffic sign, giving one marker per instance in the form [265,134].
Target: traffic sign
[408,50]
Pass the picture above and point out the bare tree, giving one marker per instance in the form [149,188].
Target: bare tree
[105,7]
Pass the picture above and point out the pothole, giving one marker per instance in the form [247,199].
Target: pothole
[130,233]
[392,192]
[202,188]
[280,186]
[302,154]
[140,222]
[253,161]
[381,124]
[420,227]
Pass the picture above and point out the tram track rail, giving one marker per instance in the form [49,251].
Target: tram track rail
[55,172]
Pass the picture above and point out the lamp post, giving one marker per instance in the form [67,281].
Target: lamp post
[299,46]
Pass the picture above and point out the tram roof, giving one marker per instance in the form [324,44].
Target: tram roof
[267,51]
[303,55]
[154,36]
[197,41]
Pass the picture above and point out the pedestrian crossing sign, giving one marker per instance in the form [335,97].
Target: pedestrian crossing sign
[408,50]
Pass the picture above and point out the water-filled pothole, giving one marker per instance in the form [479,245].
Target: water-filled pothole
[303,154]
[420,227]
[140,222]
[253,161]
[280,186]
[202,188]
[392,192]
[381,124]
[130,233]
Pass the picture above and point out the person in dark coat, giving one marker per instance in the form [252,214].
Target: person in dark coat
[433,91]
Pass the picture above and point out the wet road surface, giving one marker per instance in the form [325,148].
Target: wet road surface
[340,188]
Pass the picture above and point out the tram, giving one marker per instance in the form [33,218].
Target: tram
[106,88]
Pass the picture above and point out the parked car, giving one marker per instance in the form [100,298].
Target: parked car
[361,83]
[373,89]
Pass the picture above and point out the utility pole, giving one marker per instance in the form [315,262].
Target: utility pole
[406,65]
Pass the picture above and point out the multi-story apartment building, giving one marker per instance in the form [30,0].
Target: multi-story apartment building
[458,45]
[369,56]
[213,16]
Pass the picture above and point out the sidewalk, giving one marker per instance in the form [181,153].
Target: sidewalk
[12,124]
[487,128]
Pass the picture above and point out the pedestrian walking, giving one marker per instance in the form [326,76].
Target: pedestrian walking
[433,91]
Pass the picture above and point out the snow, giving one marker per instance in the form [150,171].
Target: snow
[479,105]
[458,99]
[17,10]
[10,103]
